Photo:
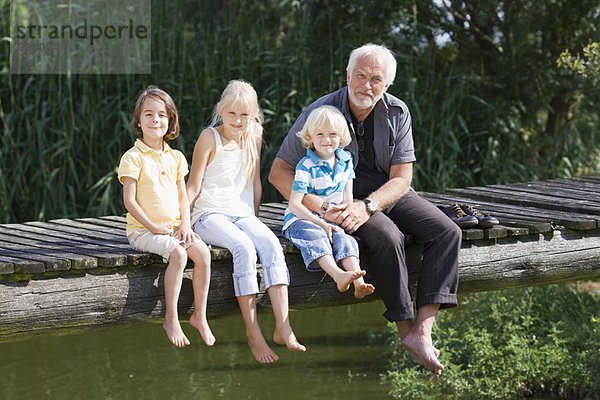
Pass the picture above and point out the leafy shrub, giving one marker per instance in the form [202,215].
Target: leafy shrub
[538,341]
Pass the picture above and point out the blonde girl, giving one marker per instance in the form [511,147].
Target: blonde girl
[224,190]
[158,218]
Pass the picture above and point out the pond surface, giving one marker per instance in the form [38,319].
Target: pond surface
[346,356]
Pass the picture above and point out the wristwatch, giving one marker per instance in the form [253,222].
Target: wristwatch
[371,206]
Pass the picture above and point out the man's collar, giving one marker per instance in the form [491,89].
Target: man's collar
[345,109]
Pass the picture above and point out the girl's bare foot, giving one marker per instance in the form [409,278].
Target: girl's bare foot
[363,289]
[283,335]
[201,324]
[346,278]
[175,333]
[261,350]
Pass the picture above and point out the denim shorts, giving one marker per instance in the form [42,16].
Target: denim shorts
[313,243]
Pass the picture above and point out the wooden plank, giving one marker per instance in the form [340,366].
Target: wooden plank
[103,258]
[520,214]
[526,199]
[21,266]
[567,194]
[48,231]
[109,223]
[96,299]
[51,262]
[77,230]
[76,261]
[533,225]
[6,266]
[92,229]
[575,184]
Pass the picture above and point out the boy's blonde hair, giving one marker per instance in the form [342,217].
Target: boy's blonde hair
[239,92]
[321,116]
[160,95]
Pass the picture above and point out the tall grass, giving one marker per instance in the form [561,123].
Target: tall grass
[62,135]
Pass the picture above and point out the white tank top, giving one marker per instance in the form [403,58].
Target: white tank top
[225,187]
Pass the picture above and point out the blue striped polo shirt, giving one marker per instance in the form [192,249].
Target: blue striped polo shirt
[315,176]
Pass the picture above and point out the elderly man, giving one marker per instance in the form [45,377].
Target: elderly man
[385,206]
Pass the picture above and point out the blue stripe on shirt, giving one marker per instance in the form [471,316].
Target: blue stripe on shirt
[315,176]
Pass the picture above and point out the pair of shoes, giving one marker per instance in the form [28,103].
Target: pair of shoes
[460,218]
[485,221]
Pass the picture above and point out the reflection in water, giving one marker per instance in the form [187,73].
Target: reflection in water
[346,354]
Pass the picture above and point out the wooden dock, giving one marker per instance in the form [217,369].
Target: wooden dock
[77,273]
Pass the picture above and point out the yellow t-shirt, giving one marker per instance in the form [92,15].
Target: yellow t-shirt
[156,174]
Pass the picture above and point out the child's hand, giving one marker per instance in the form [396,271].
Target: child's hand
[187,236]
[162,229]
[329,229]
[334,211]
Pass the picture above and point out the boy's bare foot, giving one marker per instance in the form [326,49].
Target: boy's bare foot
[261,350]
[200,323]
[284,335]
[346,278]
[175,333]
[423,352]
[363,289]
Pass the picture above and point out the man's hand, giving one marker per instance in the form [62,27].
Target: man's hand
[349,216]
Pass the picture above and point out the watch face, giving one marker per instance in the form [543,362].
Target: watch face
[371,206]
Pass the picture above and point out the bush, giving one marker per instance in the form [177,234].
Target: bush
[510,345]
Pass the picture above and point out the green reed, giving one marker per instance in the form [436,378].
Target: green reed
[62,135]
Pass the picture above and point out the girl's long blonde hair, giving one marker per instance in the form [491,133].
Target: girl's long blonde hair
[239,92]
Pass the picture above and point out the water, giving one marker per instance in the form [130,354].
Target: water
[346,356]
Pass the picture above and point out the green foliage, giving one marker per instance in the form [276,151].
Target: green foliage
[586,65]
[489,103]
[538,341]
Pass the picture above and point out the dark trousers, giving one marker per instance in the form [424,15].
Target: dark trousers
[382,237]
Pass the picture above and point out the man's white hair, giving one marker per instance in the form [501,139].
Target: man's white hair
[379,51]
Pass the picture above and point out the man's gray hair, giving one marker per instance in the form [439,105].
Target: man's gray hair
[379,51]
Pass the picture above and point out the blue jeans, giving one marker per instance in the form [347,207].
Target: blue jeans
[313,243]
[244,237]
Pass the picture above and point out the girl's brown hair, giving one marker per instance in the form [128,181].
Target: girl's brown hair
[157,94]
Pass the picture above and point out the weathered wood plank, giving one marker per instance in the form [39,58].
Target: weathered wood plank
[41,287]
[21,266]
[53,233]
[509,219]
[585,187]
[564,194]
[40,305]
[102,258]
[51,263]
[527,199]
[543,220]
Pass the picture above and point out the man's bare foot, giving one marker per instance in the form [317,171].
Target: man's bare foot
[363,289]
[201,324]
[284,335]
[261,350]
[422,351]
[346,278]
[175,333]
